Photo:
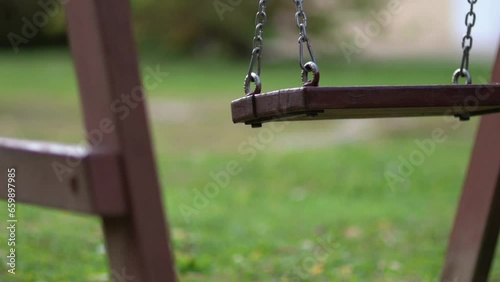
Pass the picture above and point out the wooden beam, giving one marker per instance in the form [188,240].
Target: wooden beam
[474,236]
[319,103]
[66,177]
[100,34]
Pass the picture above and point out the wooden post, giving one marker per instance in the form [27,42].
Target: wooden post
[473,239]
[106,62]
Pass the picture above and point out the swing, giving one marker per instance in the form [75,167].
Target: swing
[311,102]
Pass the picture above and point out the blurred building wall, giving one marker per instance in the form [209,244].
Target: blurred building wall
[434,28]
[487,31]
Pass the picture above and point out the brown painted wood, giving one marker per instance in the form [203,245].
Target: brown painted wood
[319,103]
[65,177]
[103,48]
[474,236]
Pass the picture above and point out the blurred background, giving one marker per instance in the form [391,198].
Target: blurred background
[311,183]
[220,27]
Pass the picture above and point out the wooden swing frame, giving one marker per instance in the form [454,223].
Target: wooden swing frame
[117,179]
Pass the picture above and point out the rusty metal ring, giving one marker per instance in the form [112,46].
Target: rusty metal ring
[253,77]
[310,67]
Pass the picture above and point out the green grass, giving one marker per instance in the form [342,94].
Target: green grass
[50,74]
[310,183]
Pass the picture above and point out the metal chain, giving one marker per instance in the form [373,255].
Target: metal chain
[311,66]
[467,43]
[260,21]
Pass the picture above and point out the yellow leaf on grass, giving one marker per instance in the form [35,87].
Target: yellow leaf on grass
[256,255]
[318,269]
[346,271]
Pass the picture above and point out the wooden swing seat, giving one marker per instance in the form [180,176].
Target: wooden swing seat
[322,103]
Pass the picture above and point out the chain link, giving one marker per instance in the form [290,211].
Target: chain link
[467,43]
[311,66]
[260,21]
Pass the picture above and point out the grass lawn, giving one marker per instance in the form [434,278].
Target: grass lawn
[307,186]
